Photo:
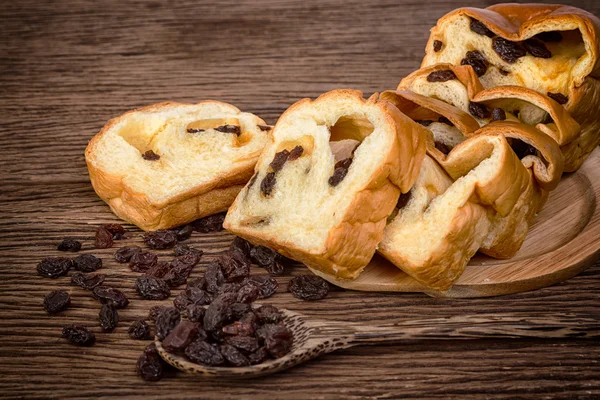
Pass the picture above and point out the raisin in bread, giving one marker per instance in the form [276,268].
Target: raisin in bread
[460,87]
[171,163]
[325,186]
[552,49]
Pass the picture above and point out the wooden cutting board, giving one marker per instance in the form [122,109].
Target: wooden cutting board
[563,241]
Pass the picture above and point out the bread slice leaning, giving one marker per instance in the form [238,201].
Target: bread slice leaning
[171,163]
[326,184]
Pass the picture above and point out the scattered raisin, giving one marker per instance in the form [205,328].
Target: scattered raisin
[202,352]
[181,336]
[109,317]
[248,294]
[537,48]
[233,356]
[279,160]
[239,329]
[151,288]
[149,365]
[308,287]
[559,98]
[108,295]
[104,239]
[212,223]
[87,281]
[268,314]
[184,249]
[150,156]
[424,122]
[178,273]
[479,28]
[87,263]
[78,335]
[278,339]
[161,239]
[56,301]
[437,45]
[403,200]
[116,230]
[443,75]
[218,312]
[214,277]
[166,321]
[498,114]
[551,37]
[296,153]
[124,254]
[267,184]
[246,343]
[229,129]
[142,261]
[139,330]
[241,245]
[154,311]
[340,171]
[183,232]
[195,313]
[262,255]
[159,270]
[71,245]
[478,110]
[53,267]
[507,50]
[234,268]
[259,356]
[445,149]
[265,128]
[198,283]
[267,285]
[276,268]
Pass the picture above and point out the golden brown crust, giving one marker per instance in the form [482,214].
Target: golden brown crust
[197,202]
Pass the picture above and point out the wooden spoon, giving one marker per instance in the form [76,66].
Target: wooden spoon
[314,337]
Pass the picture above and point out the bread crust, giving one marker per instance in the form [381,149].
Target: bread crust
[197,202]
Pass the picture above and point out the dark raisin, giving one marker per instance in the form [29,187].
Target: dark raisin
[161,239]
[403,200]
[154,311]
[276,268]
[150,156]
[108,295]
[246,343]
[238,310]
[437,45]
[239,329]
[537,48]
[308,287]
[559,98]
[265,128]
[184,249]
[181,336]
[229,287]
[139,330]
[116,230]
[551,37]
[87,281]
[151,288]
[340,171]
[198,283]
[507,50]
[78,335]
[267,184]
[142,261]
[149,366]
[248,294]
[522,149]
[159,270]
[443,75]
[479,28]
[56,301]
[278,339]
[478,110]
[71,245]
[279,160]
[498,114]
[183,232]
[268,314]
[191,259]
[214,277]
[195,313]
[87,263]
[124,254]
[424,122]
[166,321]
[548,119]
[259,356]
[233,356]
[267,285]
[445,149]
[218,312]
[229,129]
[262,255]
[202,352]
[178,273]
[109,317]
[296,153]
[476,60]
[198,296]
[234,268]
[104,239]
[53,267]
[242,246]
[212,223]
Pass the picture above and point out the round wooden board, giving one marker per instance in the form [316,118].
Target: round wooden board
[563,241]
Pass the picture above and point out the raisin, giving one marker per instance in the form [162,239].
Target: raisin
[151,288]
[308,287]
[262,255]
[109,317]
[558,97]
[507,50]
[142,261]
[161,239]
[242,246]
[522,149]
[139,330]
[267,184]
[71,245]
[124,254]
[424,122]
[87,263]
[437,45]
[551,37]
[340,171]
[166,321]
[202,352]
[537,48]
[229,129]
[53,267]
[478,110]
[238,310]
[278,339]
[479,28]
[198,283]
[548,119]
[229,287]
[116,230]
[265,128]
[476,60]
[259,356]
[403,200]
[239,329]
[104,239]
[268,314]
[190,259]
[233,269]
[181,336]
[214,277]
[56,301]
[247,294]
[191,296]
[498,114]
[233,356]
[178,274]
[149,366]
[267,285]
[279,160]
[78,335]
[154,311]
[108,295]
[218,312]
[444,120]
[159,270]
[296,153]
[195,313]
[184,249]
[246,343]
[150,156]
[445,149]
[183,232]
[443,75]
[87,281]
[212,223]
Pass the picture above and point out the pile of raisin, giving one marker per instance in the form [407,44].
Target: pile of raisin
[308,287]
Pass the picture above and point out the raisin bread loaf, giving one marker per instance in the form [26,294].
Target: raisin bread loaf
[325,186]
[551,49]
[171,163]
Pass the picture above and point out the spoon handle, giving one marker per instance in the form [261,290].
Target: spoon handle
[480,326]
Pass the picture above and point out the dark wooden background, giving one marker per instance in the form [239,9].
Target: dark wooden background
[66,67]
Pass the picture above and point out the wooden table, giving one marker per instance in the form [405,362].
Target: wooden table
[68,66]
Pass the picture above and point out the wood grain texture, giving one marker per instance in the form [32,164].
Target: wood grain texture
[67,67]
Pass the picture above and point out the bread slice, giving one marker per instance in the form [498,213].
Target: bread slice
[552,49]
[171,163]
[325,186]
